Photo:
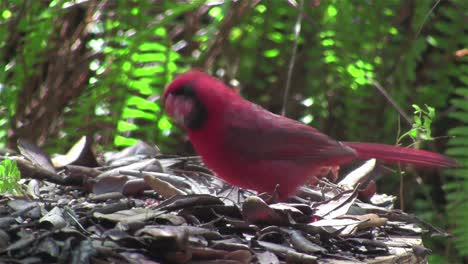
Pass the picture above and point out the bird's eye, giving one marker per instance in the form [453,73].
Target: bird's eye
[183,104]
[186,90]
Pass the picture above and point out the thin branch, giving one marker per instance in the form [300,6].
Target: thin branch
[297,31]
[390,100]
[425,18]
[216,46]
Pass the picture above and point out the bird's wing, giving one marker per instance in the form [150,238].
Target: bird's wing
[261,135]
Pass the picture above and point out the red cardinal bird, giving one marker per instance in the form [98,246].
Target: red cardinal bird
[253,148]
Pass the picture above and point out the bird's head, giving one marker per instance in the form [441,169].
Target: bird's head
[192,97]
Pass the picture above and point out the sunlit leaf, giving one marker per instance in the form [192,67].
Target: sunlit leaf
[9,177]
[124,141]
[126,66]
[308,102]
[142,104]
[388,12]
[261,8]
[235,34]
[378,60]
[432,41]
[327,33]
[6,14]
[307,119]
[272,53]
[276,37]
[136,113]
[328,42]
[331,59]
[393,31]
[152,46]
[135,11]
[160,31]
[143,86]
[164,124]
[332,11]
[123,126]
[148,71]
[217,13]
[149,57]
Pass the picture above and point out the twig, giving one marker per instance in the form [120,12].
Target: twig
[236,11]
[297,31]
[390,100]
[425,18]
[402,189]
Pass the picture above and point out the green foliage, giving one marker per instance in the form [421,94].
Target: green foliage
[138,62]
[9,177]
[457,189]
[16,68]
[422,121]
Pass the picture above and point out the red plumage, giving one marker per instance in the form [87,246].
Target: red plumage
[253,148]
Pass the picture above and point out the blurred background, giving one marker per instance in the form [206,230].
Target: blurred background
[393,71]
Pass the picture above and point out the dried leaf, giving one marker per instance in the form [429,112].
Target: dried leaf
[184,201]
[147,164]
[27,209]
[128,216]
[163,188]
[345,226]
[141,149]
[106,196]
[134,187]
[109,184]
[255,210]
[337,206]
[291,255]
[412,219]
[369,220]
[36,155]
[266,257]
[84,253]
[242,256]
[80,154]
[359,175]
[33,189]
[302,244]
[53,219]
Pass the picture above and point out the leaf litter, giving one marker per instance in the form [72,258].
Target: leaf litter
[141,206]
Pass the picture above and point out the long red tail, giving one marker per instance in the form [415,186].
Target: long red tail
[394,154]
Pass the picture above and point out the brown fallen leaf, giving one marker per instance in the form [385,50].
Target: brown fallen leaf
[370,220]
[241,255]
[163,188]
[255,210]
[80,153]
[336,206]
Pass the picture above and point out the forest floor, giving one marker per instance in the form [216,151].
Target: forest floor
[141,206]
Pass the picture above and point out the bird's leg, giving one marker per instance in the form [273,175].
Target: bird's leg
[271,198]
[276,193]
